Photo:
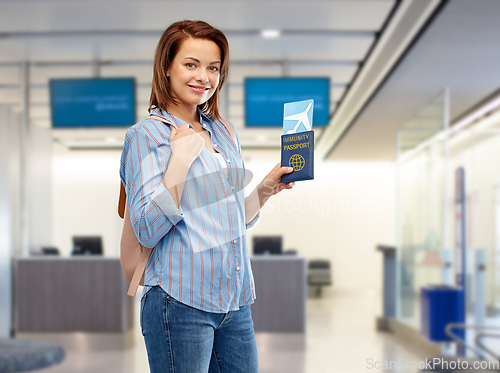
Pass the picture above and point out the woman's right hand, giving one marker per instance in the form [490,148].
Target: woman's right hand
[186,144]
[272,184]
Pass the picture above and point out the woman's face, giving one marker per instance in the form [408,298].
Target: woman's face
[195,71]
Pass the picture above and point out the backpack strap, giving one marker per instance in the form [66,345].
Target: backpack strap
[121,201]
[139,271]
[164,120]
[226,124]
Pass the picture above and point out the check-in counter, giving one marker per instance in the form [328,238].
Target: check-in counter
[88,294]
[281,290]
[76,294]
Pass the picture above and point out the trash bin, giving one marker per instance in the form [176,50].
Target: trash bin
[441,305]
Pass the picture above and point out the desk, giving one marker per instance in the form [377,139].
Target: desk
[88,294]
[84,294]
[281,290]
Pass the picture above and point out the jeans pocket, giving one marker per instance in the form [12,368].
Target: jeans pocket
[172,299]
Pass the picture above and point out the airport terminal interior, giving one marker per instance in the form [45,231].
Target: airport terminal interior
[382,258]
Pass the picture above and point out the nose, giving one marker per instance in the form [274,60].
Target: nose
[202,76]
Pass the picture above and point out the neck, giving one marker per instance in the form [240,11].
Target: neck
[186,113]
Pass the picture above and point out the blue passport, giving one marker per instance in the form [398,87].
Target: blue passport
[297,141]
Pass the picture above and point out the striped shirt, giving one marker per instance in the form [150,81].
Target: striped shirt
[201,255]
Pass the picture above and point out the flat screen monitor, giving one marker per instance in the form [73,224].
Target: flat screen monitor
[49,250]
[267,245]
[87,245]
[265,97]
[106,102]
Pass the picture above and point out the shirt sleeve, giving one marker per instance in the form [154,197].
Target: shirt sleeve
[144,161]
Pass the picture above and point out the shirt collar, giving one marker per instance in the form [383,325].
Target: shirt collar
[203,115]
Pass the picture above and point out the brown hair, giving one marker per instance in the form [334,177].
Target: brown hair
[169,45]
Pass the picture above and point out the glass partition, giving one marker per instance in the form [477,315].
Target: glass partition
[421,205]
[428,156]
[477,149]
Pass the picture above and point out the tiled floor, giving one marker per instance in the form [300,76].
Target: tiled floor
[340,338]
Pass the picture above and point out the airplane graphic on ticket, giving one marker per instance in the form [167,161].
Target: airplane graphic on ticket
[296,114]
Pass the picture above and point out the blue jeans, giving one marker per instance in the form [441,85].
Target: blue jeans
[183,339]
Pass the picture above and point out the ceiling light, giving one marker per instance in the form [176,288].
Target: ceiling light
[270,34]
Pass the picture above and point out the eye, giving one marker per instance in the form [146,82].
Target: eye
[214,69]
[189,64]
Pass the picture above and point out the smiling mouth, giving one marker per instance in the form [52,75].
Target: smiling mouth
[201,89]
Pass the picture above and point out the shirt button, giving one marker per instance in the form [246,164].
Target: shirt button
[238,268]
[215,145]
[235,241]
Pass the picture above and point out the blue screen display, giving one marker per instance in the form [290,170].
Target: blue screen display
[106,102]
[265,97]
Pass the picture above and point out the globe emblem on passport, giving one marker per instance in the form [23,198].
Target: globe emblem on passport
[297,162]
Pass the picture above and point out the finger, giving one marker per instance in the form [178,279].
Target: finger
[286,170]
[173,131]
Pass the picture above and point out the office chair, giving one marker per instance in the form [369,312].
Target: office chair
[319,274]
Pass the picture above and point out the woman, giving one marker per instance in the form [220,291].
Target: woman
[184,172]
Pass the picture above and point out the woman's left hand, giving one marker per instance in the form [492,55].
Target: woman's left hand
[272,184]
